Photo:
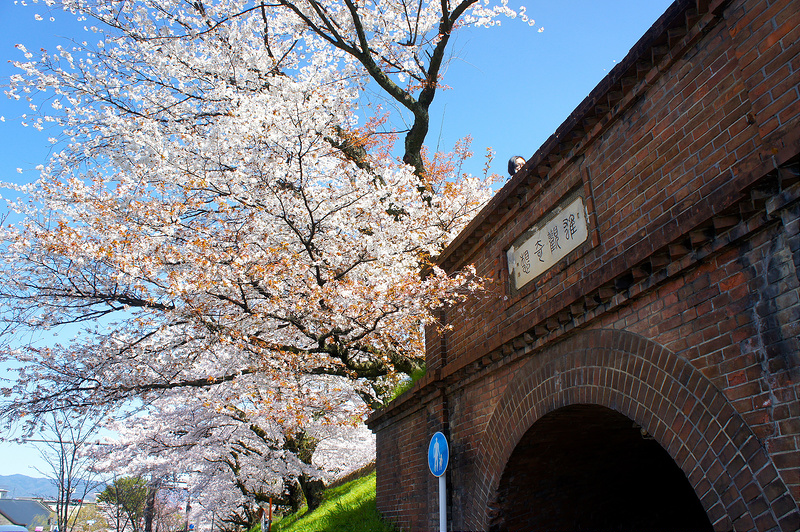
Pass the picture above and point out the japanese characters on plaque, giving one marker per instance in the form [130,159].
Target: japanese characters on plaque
[566,228]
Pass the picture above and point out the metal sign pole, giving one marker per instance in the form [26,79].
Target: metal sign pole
[442,504]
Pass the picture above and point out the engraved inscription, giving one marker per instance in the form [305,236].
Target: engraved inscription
[549,243]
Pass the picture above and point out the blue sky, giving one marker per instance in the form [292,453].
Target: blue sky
[512,86]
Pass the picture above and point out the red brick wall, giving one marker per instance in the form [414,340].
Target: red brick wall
[403,492]
[687,159]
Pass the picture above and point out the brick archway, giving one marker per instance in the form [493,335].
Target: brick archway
[690,418]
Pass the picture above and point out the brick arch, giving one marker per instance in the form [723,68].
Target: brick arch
[690,418]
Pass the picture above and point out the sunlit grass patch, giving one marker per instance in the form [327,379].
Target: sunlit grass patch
[346,508]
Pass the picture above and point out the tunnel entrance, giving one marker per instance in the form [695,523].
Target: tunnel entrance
[589,468]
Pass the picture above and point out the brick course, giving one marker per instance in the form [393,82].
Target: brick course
[681,310]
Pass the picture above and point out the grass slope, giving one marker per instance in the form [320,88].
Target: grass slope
[346,508]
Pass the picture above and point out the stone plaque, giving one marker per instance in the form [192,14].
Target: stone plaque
[543,246]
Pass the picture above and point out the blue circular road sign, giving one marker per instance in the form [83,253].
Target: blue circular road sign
[438,454]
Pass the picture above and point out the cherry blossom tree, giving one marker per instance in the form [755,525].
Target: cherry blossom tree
[217,211]
[227,223]
[233,457]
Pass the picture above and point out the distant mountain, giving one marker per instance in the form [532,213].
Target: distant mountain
[25,486]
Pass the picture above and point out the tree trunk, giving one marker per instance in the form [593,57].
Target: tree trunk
[295,495]
[149,506]
[304,445]
[312,491]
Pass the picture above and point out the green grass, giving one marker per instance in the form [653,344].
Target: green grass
[406,385]
[346,508]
